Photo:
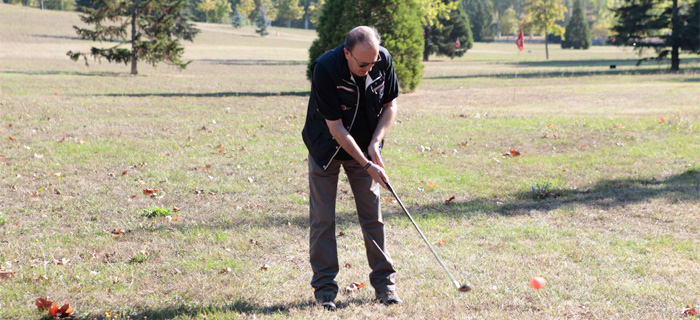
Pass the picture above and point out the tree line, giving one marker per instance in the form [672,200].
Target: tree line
[412,30]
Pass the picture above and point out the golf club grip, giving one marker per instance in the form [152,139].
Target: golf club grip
[422,235]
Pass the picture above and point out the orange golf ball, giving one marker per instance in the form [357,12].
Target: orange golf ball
[537,282]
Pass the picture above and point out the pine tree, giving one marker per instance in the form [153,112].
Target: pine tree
[154,35]
[442,41]
[642,22]
[577,34]
[237,19]
[398,24]
[262,21]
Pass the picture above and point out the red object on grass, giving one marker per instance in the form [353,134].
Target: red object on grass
[520,42]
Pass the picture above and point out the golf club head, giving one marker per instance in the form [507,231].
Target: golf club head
[465,287]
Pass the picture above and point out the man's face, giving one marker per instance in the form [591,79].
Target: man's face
[362,59]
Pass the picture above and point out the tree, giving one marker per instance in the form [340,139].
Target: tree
[262,21]
[154,35]
[643,24]
[432,14]
[499,9]
[397,21]
[442,40]
[509,22]
[237,19]
[541,15]
[246,8]
[480,19]
[288,10]
[577,34]
[214,10]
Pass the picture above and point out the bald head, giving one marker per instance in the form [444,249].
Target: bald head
[368,36]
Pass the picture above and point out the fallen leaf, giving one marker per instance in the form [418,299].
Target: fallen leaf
[662,120]
[176,209]
[117,231]
[62,139]
[43,304]
[441,242]
[432,185]
[125,172]
[688,311]
[264,267]
[348,265]
[549,125]
[38,156]
[12,139]
[450,199]
[462,144]
[227,270]
[6,274]
[255,242]
[63,261]
[514,152]
[150,191]
[340,234]
[176,219]
[65,311]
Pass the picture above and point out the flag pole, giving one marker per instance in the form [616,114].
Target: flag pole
[520,42]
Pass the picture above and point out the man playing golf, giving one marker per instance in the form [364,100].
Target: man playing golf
[351,107]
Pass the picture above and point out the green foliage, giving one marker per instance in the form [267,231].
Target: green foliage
[237,19]
[480,19]
[542,15]
[3,221]
[262,21]
[155,212]
[159,24]
[138,258]
[577,35]
[508,21]
[442,40]
[288,10]
[214,10]
[397,22]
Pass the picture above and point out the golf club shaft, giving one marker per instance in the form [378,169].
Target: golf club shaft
[422,236]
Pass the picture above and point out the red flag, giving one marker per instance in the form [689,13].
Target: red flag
[457,42]
[519,42]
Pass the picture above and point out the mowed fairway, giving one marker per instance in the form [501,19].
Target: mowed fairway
[603,200]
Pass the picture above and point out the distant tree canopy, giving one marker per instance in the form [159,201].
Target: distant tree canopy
[398,22]
[577,34]
[152,28]
[441,38]
[480,19]
[541,15]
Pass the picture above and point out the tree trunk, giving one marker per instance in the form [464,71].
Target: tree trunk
[675,60]
[546,41]
[134,53]
[306,21]
[426,41]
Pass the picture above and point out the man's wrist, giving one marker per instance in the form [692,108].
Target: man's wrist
[369,164]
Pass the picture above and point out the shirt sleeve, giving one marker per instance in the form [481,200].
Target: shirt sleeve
[391,83]
[324,92]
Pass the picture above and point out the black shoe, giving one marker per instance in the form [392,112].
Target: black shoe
[326,302]
[389,297]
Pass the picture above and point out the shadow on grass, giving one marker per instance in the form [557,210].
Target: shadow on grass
[240,307]
[601,63]
[606,194]
[243,307]
[67,73]
[254,62]
[564,73]
[208,94]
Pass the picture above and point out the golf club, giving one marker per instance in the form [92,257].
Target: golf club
[462,288]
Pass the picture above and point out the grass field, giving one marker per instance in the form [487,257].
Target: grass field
[603,201]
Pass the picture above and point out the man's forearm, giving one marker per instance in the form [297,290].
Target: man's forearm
[385,122]
[346,141]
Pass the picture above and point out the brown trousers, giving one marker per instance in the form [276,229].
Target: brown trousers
[323,186]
